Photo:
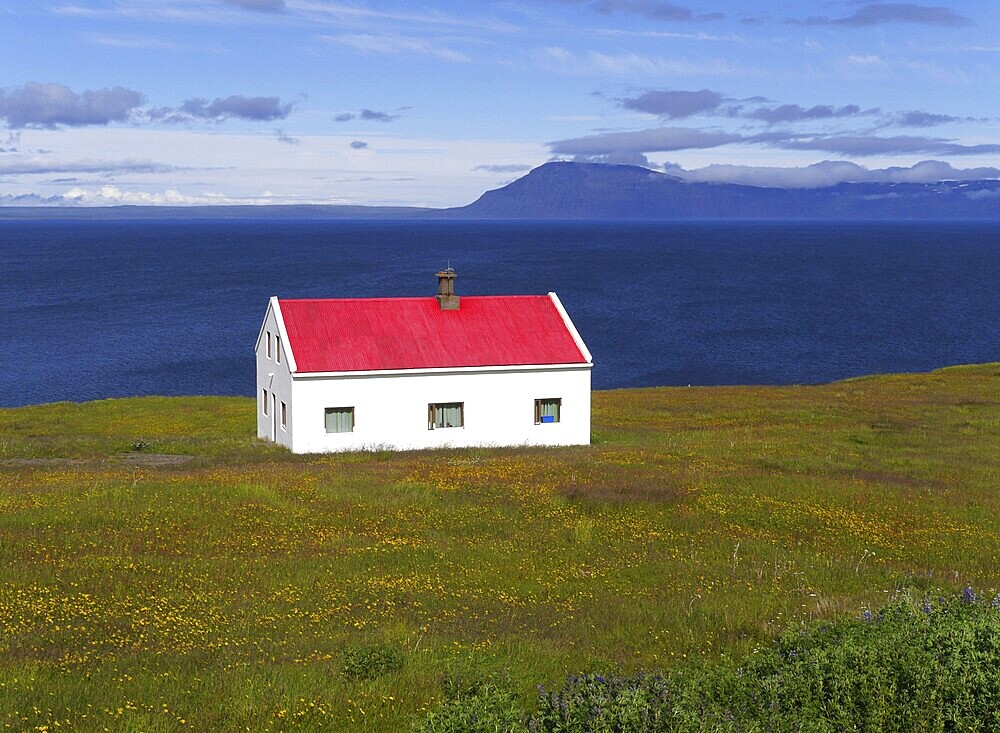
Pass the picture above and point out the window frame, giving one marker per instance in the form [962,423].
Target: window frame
[432,410]
[538,410]
[277,349]
[266,396]
[269,352]
[284,416]
[328,410]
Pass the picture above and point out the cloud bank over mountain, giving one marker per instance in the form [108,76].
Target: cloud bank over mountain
[830,173]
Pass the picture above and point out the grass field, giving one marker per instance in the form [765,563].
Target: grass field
[160,569]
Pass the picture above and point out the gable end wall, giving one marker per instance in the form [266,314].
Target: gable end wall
[277,380]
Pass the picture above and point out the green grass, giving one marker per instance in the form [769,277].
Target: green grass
[233,589]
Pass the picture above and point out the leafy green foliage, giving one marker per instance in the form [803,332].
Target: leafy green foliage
[372,661]
[908,668]
[488,708]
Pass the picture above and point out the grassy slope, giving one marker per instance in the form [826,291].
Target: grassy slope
[223,592]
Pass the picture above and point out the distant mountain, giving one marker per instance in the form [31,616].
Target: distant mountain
[598,191]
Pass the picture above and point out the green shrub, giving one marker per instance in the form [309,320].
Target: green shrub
[372,661]
[928,666]
[915,666]
[486,709]
[600,704]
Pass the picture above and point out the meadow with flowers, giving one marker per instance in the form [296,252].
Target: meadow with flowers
[163,570]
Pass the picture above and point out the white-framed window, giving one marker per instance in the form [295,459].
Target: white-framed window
[445,415]
[284,416]
[277,348]
[269,352]
[339,419]
[265,401]
[547,410]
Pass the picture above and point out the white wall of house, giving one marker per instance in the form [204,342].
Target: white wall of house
[274,377]
[390,408]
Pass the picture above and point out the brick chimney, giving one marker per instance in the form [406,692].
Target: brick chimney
[446,297]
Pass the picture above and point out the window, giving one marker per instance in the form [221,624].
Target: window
[339,419]
[284,416]
[547,410]
[445,415]
[268,344]
[277,348]
[265,401]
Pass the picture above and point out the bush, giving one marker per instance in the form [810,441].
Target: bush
[926,667]
[372,661]
[486,709]
[911,667]
[598,703]
[915,666]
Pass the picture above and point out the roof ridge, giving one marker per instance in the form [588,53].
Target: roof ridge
[406,297]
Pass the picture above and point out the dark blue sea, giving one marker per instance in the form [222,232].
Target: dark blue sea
[103,309]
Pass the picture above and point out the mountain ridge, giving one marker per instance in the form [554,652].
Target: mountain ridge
[595,191]
[564,190]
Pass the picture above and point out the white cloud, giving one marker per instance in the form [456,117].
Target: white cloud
[866,60]
[673,35]
[868,64]
[260,6]
[573,118]
[394,45]
[829,173]
[320,169]
[49,164]
[51,104]
[110,195]
[985,194]
[345,15]
[187,11]
[561,60]
[129,41]
[643,141]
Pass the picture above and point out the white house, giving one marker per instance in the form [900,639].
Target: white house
[409,373]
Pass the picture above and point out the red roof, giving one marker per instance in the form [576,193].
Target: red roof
[343,335]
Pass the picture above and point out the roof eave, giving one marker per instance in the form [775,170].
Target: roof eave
[568,322]
[571,366]
[260,334]
[283,332]
[273,306]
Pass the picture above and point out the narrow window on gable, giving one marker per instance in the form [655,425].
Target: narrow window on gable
[445,415]
[269,345]
[277,348]
[547,410]
[284,416]
[265,401]
[339,419]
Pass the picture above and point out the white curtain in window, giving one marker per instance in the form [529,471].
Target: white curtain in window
[450,416]
[445,415]
[339,419]
[548,409]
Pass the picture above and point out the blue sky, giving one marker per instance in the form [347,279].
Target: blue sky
[431,103]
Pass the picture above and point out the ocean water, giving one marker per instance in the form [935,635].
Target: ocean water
[101,309]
